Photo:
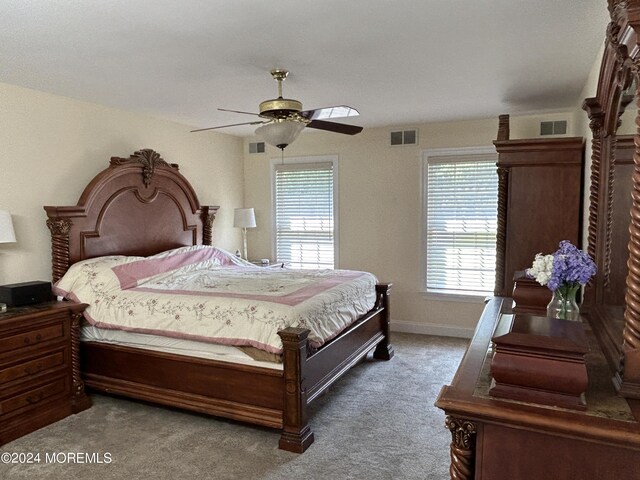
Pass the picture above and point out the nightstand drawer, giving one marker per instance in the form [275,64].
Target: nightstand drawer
[36,396]
[28,338]
[32,367]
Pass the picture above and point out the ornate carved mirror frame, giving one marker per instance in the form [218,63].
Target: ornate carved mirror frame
[616,326]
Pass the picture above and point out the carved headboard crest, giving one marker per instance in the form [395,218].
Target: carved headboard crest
[148,158]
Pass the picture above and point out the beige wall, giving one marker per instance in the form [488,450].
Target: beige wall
[380,206]
[52,147]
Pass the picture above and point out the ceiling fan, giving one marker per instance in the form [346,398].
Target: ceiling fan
[284,118]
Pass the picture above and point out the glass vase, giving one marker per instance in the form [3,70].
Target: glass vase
[563,304]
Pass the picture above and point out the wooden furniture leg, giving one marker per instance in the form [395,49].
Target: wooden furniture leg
[81,400]
[384,349]
[463,448]
[296,433]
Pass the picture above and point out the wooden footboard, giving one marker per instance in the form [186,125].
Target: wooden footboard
[262,396]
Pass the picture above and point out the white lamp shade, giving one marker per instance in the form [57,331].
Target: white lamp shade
[280,134]
[7,235]
[244,218]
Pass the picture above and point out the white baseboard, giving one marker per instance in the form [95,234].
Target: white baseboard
[431,329]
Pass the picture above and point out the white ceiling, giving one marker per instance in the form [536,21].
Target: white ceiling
[398,62]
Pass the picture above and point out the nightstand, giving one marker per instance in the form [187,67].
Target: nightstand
[39,367]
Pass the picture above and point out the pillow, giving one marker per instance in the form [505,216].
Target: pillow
[131,274]
[98,269]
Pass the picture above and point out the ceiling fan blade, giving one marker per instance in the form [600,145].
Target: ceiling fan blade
[238,111]
[338,111]
[232,125]
[335,127]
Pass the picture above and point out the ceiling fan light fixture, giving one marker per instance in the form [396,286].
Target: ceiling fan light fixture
[280,133]
[285,118]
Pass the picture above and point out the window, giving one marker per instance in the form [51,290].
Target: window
[305,233]
[460,220]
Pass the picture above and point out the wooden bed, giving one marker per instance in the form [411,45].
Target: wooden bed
[142,205]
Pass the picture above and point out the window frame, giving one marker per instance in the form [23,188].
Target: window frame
[333,159]
[461,296]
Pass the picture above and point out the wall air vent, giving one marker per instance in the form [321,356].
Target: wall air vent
[256,147]
[403,137]
[558,127]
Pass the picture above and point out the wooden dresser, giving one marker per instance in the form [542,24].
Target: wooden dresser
[39,369]
[495,438]
[499,438]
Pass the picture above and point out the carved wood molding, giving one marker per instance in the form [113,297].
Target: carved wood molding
[604,115]
[208,217]
[503,127]
[501,232]
[78,384]
[606,274]
[631,334]
[463,448]
[620,66]
[60,228]
[629,12]
[80,400]
[149,159]
[596,124]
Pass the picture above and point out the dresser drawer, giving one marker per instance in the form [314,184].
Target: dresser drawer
[36,396]
[34,336]
[35,366]
[38,367]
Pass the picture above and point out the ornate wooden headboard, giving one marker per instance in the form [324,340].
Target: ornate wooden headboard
[139,205]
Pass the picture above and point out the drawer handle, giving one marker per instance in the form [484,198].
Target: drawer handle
[33,369]
[27,340]
[35,399]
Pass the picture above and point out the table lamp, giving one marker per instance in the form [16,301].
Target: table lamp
[7,235]
[244,218]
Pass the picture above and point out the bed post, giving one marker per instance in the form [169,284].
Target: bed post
[60,228]
[208,215]
[384,350]
[296,433]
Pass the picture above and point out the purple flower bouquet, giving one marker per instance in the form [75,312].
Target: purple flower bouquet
[563,273]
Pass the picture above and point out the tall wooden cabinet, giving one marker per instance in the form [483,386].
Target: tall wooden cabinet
[539,199]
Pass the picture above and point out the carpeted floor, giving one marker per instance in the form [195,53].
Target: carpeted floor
[378,422]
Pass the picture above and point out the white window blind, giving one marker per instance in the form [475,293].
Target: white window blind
[461,223]
[304,213]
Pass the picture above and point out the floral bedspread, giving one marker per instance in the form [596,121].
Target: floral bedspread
[206,294]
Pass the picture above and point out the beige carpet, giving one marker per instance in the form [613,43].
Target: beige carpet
[378,422]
